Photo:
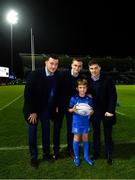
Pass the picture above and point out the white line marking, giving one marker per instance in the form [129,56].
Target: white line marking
[128,106]
[11,102]
[120,113]
[62,146]
[25,147]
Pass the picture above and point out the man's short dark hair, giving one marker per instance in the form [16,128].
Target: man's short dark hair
[94,61]
[79,59]
[53,56]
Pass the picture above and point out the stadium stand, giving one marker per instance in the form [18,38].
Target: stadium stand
[121,69]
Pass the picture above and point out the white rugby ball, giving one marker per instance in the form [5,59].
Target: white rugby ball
[83,109]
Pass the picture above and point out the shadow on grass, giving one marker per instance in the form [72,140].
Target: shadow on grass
[124,150]
[63,153]
[120,150]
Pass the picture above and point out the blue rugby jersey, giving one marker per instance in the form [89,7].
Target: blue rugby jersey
[79,120]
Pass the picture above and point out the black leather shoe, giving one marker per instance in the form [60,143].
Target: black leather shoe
[34,163]
[70,154]
[55,156]
[47,158]
[109,158]
[109,161]
[95,156]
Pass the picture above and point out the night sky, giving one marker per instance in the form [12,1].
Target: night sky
[94,28]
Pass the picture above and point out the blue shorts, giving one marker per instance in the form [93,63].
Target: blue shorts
[80,130]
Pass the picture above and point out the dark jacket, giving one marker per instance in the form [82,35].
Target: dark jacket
[36,93]
[105,97]
[68,87]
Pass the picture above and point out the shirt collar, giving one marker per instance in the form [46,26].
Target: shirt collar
[48,73]
[74,75]
[95,78]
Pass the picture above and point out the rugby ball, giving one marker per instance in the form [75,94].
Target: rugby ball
[83,109]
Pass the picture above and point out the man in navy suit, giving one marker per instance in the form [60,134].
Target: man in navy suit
[40,102]
[67,90]
[103,90]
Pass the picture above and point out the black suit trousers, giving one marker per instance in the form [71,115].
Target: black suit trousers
[97,118]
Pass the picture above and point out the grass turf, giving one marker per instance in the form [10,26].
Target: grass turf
[14,163]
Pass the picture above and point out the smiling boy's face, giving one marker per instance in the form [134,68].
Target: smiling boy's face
[82,89]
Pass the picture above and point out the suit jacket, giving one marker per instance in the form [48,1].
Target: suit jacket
[36,93]
[67,88]
[106,97]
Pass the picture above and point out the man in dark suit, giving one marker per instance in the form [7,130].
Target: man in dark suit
[67,90]
[40,102]
[103,90]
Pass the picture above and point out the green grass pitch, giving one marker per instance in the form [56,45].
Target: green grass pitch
[14,155]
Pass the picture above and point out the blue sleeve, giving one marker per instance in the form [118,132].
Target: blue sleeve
[90,102]
[72,102]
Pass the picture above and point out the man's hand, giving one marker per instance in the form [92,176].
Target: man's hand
[32,118]
[57,109]
[107,114]
[92,112]
[73,109]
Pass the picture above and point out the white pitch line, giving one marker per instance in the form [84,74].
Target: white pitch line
[25,147]
[120,113]
[131,106]
[40,146]
[5,106]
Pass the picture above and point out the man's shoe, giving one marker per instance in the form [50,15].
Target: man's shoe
[34,163]
[76,161]
[47,158]
[71,154]
[109,161]
[95,156]
[109,158]
[55,155]
[89,161]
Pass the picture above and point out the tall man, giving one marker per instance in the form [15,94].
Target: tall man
[102,88]
[40,99]
[68,89]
